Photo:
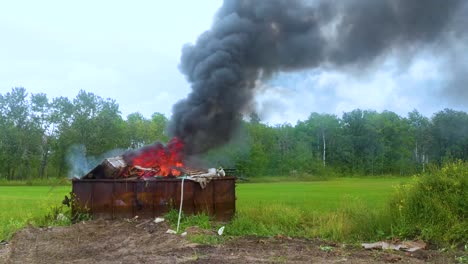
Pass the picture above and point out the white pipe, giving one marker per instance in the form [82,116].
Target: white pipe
[181,202]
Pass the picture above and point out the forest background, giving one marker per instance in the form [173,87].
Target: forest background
[43,137]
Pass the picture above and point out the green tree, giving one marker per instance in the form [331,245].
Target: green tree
[93,123]
[42,121]
[449,132]
[158,127]
[419,128]
[363,141]
[20,140]
[395,138]
[61,118]
[138,130]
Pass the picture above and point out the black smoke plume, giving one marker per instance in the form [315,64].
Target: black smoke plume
[252,39]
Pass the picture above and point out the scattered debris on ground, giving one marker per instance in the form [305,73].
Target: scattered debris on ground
[410,246]
[139,241]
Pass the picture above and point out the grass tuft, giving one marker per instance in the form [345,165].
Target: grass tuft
[200,220]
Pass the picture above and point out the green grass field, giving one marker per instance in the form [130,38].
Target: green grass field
[21,204]
[308,209]
[344,209]
[316,196]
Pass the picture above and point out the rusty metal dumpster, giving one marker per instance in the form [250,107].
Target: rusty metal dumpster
[123,198]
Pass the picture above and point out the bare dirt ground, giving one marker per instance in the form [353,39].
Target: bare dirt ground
[122,241]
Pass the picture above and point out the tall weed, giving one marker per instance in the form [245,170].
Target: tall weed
[434,206]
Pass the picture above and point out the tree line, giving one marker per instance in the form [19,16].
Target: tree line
[37,134]
[361,142]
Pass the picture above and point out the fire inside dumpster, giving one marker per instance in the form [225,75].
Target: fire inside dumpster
[148,183]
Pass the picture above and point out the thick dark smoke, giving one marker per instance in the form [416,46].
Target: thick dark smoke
[252,39]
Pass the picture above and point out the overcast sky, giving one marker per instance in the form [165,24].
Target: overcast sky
[130,50]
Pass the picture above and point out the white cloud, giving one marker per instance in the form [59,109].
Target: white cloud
[129,51]
[386,88]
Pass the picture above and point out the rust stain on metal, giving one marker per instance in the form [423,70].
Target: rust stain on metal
[119,198]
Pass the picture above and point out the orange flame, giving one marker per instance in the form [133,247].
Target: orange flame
[157,159]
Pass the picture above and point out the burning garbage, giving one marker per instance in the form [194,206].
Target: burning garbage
[157,160]
[149,182]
